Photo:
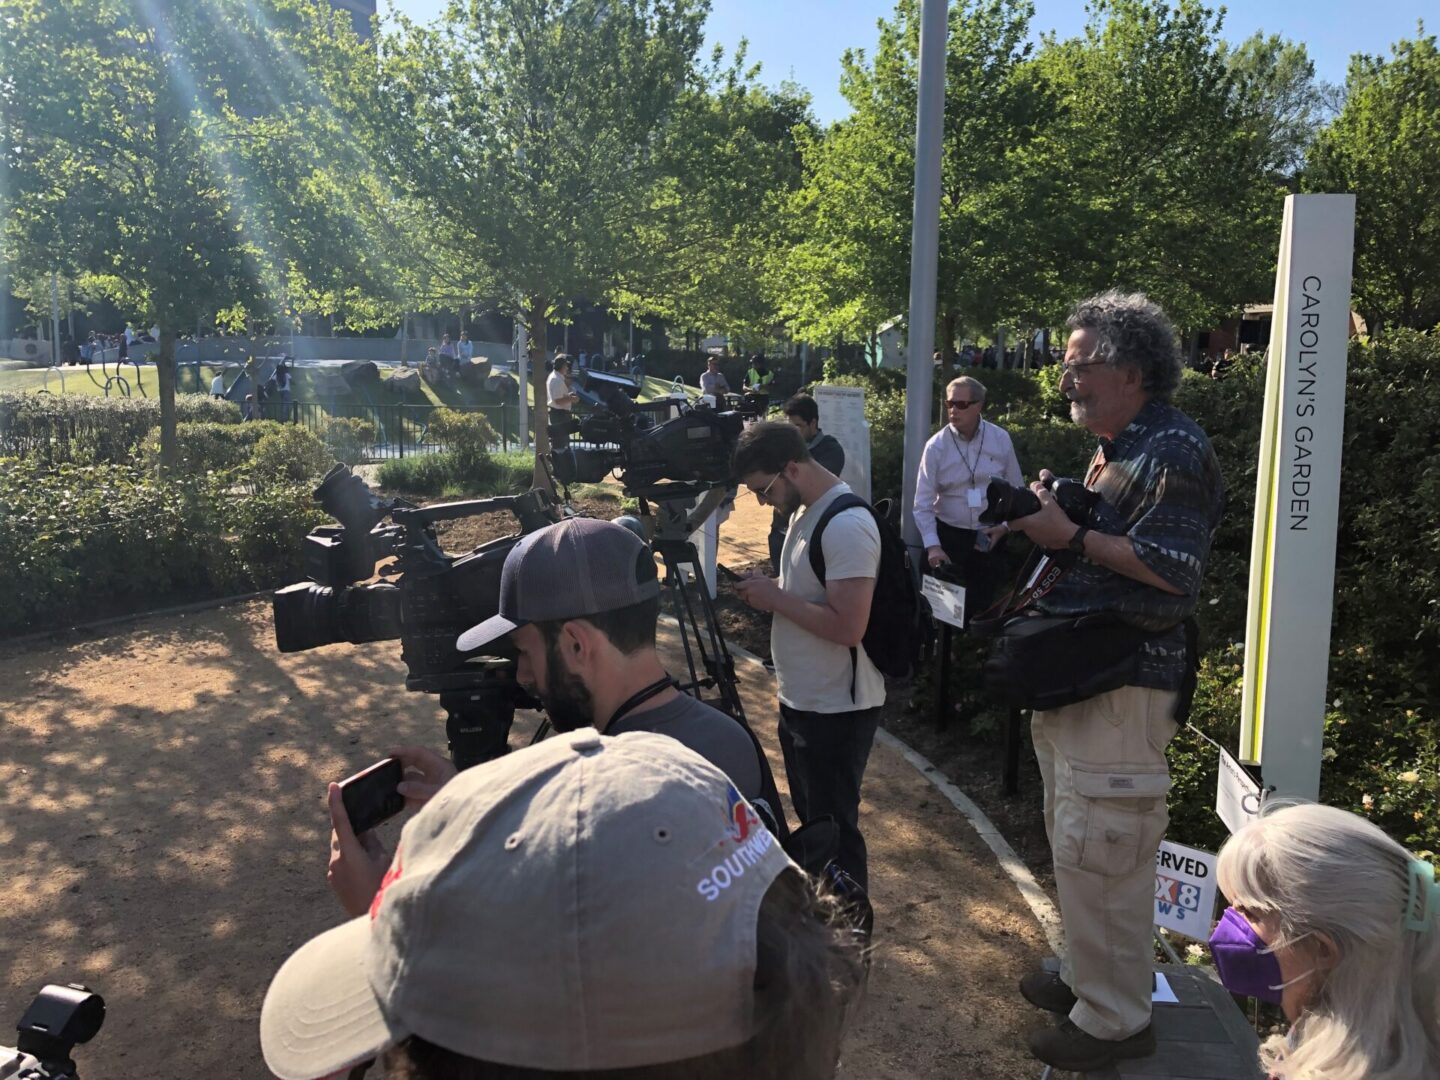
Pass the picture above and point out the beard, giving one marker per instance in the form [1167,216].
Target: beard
[565,698]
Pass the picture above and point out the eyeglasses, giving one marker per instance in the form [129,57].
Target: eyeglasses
[960,404]
[1072,366]
[765,491]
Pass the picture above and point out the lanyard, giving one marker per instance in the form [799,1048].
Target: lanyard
[979,450]
[635,700]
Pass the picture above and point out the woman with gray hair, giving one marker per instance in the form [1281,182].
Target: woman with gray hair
[1340,926]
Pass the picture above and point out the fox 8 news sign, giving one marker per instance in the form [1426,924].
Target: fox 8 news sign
[1185,890]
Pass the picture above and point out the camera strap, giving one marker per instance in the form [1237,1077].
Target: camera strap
[635,700]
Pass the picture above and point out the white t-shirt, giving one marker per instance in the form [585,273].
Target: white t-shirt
[217,385]
[814,674]
[555,388]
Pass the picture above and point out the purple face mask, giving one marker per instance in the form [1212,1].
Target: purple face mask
[1246,964]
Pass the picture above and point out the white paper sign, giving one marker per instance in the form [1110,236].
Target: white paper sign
[1237,794]
[1184,890]
[842,414]
[947,600]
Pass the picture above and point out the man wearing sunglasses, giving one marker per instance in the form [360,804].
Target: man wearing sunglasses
[955,467]
[830,691]
[1140,556]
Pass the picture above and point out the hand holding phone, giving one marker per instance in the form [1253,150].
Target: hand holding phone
[372,796]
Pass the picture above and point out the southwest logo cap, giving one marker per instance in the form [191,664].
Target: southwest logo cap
[585,904]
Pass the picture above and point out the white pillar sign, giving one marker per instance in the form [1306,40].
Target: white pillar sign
[1297,495]
[842,414]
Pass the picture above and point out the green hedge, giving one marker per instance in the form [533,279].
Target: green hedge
[79,541]
[81,428]
[458,474]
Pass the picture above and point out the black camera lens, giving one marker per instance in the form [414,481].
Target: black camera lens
[1006,502]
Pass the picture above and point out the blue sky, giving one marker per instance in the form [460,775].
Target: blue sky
[803,39]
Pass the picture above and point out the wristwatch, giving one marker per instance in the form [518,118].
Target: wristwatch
[1077,542]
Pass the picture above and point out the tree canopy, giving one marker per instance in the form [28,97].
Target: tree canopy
[1385,147]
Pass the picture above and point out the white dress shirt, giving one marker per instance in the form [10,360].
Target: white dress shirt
[953,474]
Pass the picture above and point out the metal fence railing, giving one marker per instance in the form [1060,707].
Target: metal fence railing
[401,430]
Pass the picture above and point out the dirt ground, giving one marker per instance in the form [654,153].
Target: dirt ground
[163,838]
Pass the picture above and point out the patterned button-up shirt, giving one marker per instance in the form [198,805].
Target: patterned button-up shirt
[1160,485]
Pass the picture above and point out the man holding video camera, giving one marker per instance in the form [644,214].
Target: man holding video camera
[1139,556]
[579,602]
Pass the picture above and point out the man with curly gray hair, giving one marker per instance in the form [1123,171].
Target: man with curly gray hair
[1138,559]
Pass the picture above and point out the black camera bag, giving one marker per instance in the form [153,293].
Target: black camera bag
[1049,661]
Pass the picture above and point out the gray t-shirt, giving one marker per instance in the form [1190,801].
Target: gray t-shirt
[706,730]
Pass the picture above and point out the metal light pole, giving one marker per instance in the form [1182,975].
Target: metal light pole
[924,251]
[54,320]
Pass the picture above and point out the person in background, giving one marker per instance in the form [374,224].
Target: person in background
[283,382]
[758,379]
[956,465]
[217,385]
[1340,926]
[561,400]
[247,411]
[713,381]
[466,348]
[802,412]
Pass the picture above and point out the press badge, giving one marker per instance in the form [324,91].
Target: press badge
[976,498]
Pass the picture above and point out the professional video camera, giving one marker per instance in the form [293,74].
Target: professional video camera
[693,448]
[1006,502]
[57,1020]
[433,599]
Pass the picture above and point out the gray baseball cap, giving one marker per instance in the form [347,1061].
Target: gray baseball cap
[588,903]
[579,567]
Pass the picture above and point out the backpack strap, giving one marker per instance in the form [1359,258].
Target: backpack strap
[847,501]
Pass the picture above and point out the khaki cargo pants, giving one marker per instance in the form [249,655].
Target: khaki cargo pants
[1103,762]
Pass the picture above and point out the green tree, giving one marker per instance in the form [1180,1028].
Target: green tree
[1385,147]
[849,267]
[135,136]
[551,151]
[1168,182]
[1284,105]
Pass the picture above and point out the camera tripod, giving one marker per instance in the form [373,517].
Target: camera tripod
[670,525]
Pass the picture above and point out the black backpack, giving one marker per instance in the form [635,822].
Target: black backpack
[896,632]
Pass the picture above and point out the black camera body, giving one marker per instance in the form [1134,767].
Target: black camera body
[693,448]
[432,599]
[1006,502]
[57,1020]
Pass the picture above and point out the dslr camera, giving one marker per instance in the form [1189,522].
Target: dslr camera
[1006,502]
[430,599]
[57,1020]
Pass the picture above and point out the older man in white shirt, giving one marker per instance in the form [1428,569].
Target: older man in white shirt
[955,467]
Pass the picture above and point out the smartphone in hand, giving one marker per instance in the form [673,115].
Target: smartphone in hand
[372,795]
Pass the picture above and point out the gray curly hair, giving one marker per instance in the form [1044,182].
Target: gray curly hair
[1132,331]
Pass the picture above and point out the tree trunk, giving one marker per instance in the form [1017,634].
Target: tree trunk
[165,372]
[539,335]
